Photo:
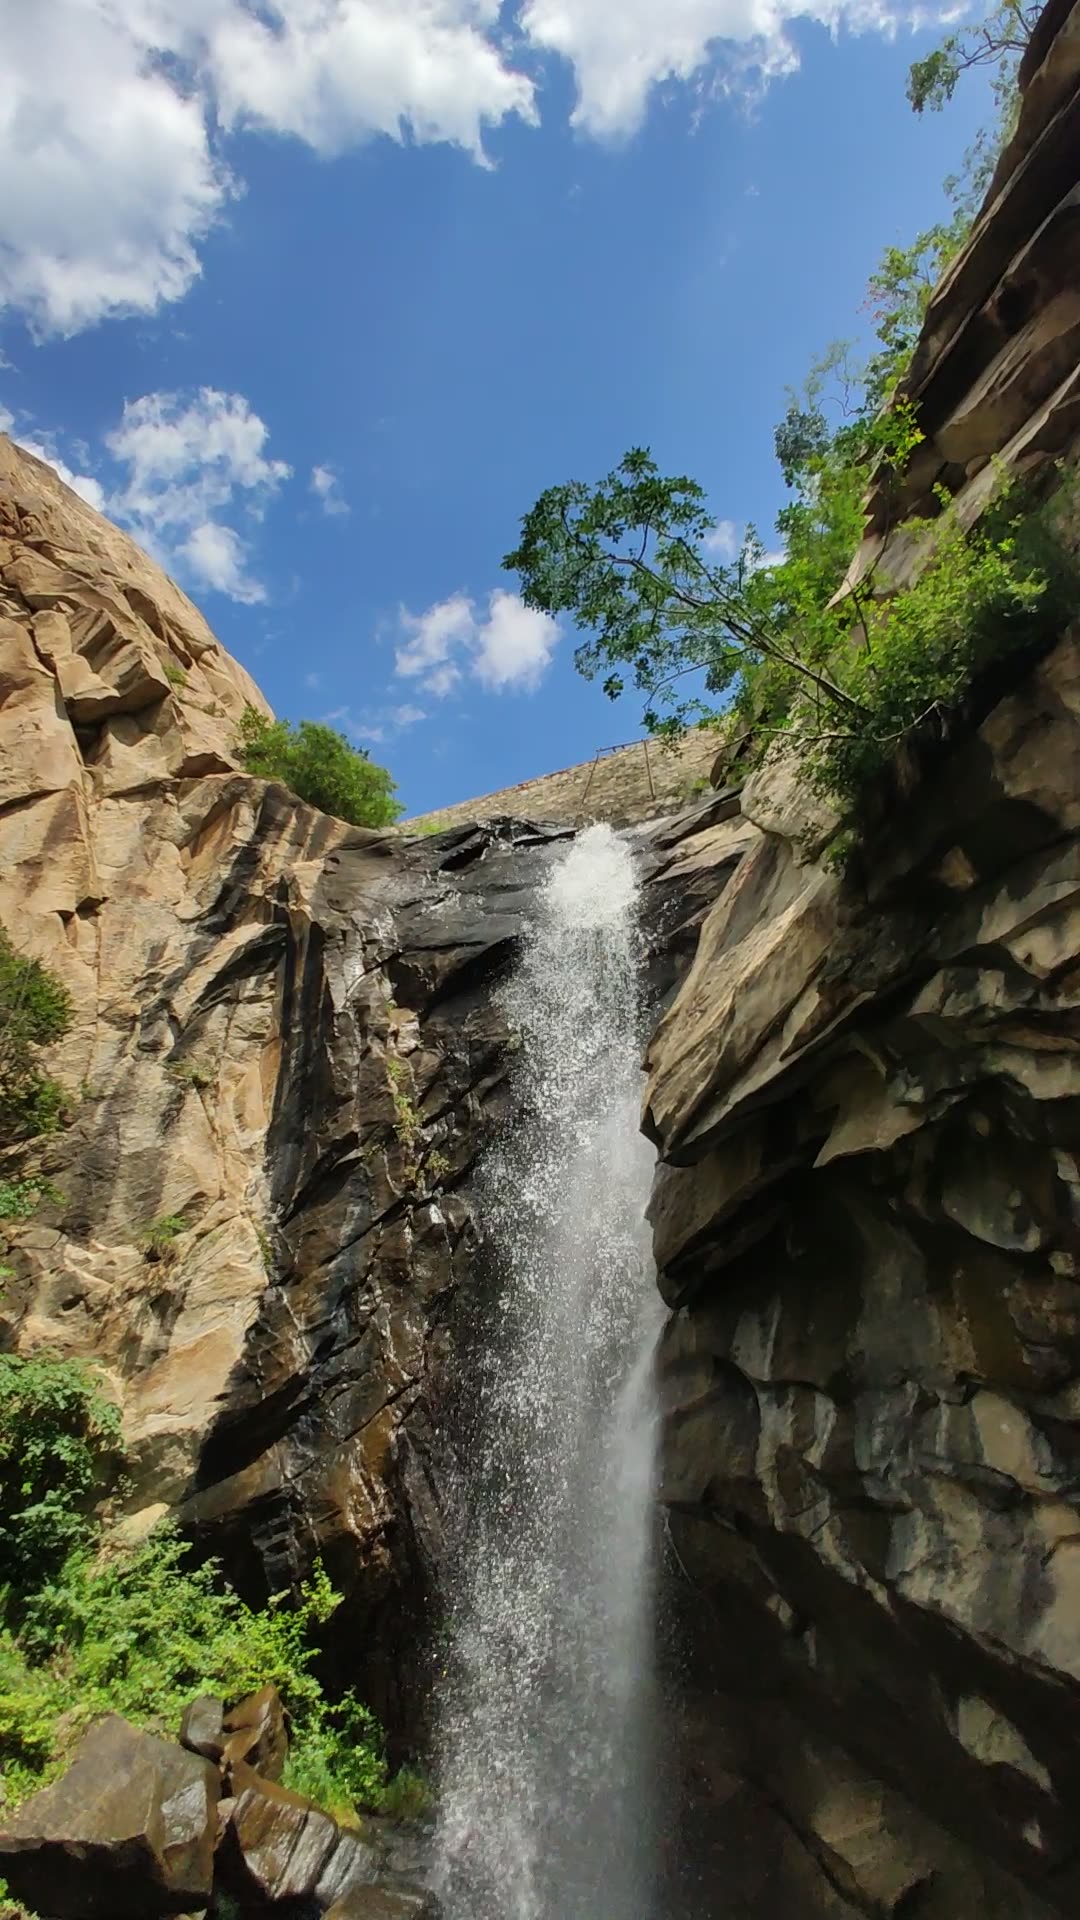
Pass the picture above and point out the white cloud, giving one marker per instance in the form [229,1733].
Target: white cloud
[109,178]
[112,114]
[507,647]
[189,466]
[722,540]
[514,645]
[432,638]
[373,728]
[216,557]
[325,484]
[115,115]
[621,50]
[333,72]
[188,463]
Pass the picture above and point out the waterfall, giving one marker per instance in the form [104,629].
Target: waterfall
[545,1769]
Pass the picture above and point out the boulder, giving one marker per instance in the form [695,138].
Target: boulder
[277,1846]
[256,1731]
[202,1727]
[127,1831]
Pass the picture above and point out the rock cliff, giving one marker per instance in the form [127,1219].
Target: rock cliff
[285,1059]
[288,1054]
[866,1098]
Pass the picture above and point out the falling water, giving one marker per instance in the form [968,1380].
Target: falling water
[545,1768]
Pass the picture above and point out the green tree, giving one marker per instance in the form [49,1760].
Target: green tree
[999,42]
[318,765]
[851,675]
[35,1010]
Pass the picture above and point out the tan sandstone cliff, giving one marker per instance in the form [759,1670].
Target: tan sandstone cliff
[286,1045]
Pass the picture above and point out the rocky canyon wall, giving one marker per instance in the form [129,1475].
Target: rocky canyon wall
[285,1059]
[867,1220]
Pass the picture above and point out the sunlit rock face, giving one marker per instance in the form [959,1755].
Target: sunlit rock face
[287,1047]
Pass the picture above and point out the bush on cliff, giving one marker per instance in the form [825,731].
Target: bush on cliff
[87,1628]
[319,766]
[35,1011]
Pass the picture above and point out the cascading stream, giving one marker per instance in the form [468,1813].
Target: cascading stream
[546,1801]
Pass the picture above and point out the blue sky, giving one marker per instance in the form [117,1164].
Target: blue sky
[317,296]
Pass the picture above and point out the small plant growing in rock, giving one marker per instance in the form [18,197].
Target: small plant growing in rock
[437,1166]
[174,674]
[407,1796]
[158,1240]
[407,1122]
[192,1073]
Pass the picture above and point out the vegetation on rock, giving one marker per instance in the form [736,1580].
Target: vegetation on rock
[88,1627]
[318,765]
[35,1011]
[852,674]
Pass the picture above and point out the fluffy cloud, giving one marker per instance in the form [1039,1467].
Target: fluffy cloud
[215,557]
[620,50]
[325,484]
[182,469]
[189,463]
[509,646]
[114,113]
[110,181]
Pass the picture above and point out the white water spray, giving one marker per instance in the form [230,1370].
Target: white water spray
[545,1764]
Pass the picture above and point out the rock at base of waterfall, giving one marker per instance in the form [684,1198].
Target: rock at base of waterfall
[278,1846]
[385,1903]
[256,1730]
[201,1727]
[127,1831]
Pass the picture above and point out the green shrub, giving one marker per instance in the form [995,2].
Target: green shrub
[1005,588]
[20,1197]
[407,1796]
[139,1630]
[60,1449]
[35,1010]
[318,765]
[158,1239]
[192,1073]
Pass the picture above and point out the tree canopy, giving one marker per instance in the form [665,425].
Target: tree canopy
[318,765]
[633,558]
